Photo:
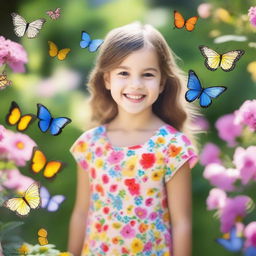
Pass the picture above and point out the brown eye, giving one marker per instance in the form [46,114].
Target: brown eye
[123,73]
[148,74]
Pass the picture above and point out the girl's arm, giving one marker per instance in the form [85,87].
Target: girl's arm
[78,219]
[180,205]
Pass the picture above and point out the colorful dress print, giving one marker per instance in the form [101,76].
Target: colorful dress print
[128,212]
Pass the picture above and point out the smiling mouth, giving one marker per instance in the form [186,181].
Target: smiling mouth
[134,97]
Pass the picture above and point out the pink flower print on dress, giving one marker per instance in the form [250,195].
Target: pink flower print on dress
[153,215]
[186,140]
[105,179]
[149,201]
[128,232]
[115,157]
[141,212]
[147,246]
[113,188]
[98,152]
[171,129]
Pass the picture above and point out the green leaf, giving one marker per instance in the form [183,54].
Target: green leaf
[7,227]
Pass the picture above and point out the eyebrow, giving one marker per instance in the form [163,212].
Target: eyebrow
[146,69]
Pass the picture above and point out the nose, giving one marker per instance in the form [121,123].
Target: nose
[136,83]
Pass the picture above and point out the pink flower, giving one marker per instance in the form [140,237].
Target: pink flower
[16,181]
[221,177]
[115,157]
[141,212]
[13,54]
[210,154]
[202,123]
[246,114]
[19,147]
[227,129]
[234,209]
[245,162]
[216,199]
[250,234]
[2,131]
[204,10]
[252,15]
[127,231]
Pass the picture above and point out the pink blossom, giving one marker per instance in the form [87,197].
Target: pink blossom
[250,234]
[2,131]
[141,212]
[245,162]
[210,154]
[227,129]
[19,147]
[246,114]
[204,10]
[234,208]
[221,177]
[127,231]
[252,15]
[16,181]
[216,199]
[13,54]
[115,157]
[202,123]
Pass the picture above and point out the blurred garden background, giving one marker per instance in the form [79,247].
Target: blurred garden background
[61,86]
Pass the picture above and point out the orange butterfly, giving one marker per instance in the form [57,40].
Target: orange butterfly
[180,22]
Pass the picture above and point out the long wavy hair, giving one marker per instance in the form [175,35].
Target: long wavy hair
[170,106]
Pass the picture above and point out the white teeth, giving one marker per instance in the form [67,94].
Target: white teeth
[134,97]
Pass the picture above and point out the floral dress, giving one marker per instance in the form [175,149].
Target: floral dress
[128,212]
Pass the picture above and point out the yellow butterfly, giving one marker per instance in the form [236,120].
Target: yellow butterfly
[39,163]
[14,117]
[42,236]
[54,51]
[226,61]
[30,200]
[4,82]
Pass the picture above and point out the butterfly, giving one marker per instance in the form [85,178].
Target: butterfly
[4,82]
[39,162]
[54,15]
[234,243]
[29,200]
[226,61]
[14,117]
[250,251]
[21,26]
[50,203]
[204,95]
[54,51]
[47,122]
[180,22]
[92,45]
[42,236]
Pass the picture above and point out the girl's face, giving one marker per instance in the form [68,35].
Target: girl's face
[135,83]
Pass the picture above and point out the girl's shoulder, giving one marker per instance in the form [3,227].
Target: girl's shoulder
[87,137]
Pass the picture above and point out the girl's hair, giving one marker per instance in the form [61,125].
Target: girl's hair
[170,106]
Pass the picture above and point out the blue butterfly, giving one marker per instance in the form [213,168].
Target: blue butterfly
[92,45]
[50,203]
[46,121]
[234,243]
[250,251]
[196,90]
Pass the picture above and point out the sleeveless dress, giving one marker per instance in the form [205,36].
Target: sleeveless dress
[128,213]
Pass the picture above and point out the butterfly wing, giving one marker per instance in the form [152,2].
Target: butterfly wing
[179,21]
[14,114]
[190,23]
[86,39]
[32,195]
[52,168]
[38,160]
[20,24]
[58,124]
[4,82]
[44,117]
[62,54]
[209,93]
[55,203]
[194,86]
[35,27]
[53,49]
[45,197]
[17,205]
[95,44]
[229,59]
[42,236]
[250,251]
[212,58]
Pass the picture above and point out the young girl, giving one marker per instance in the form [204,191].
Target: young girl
[129,200]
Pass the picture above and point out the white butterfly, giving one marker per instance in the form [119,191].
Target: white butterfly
[21,26]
